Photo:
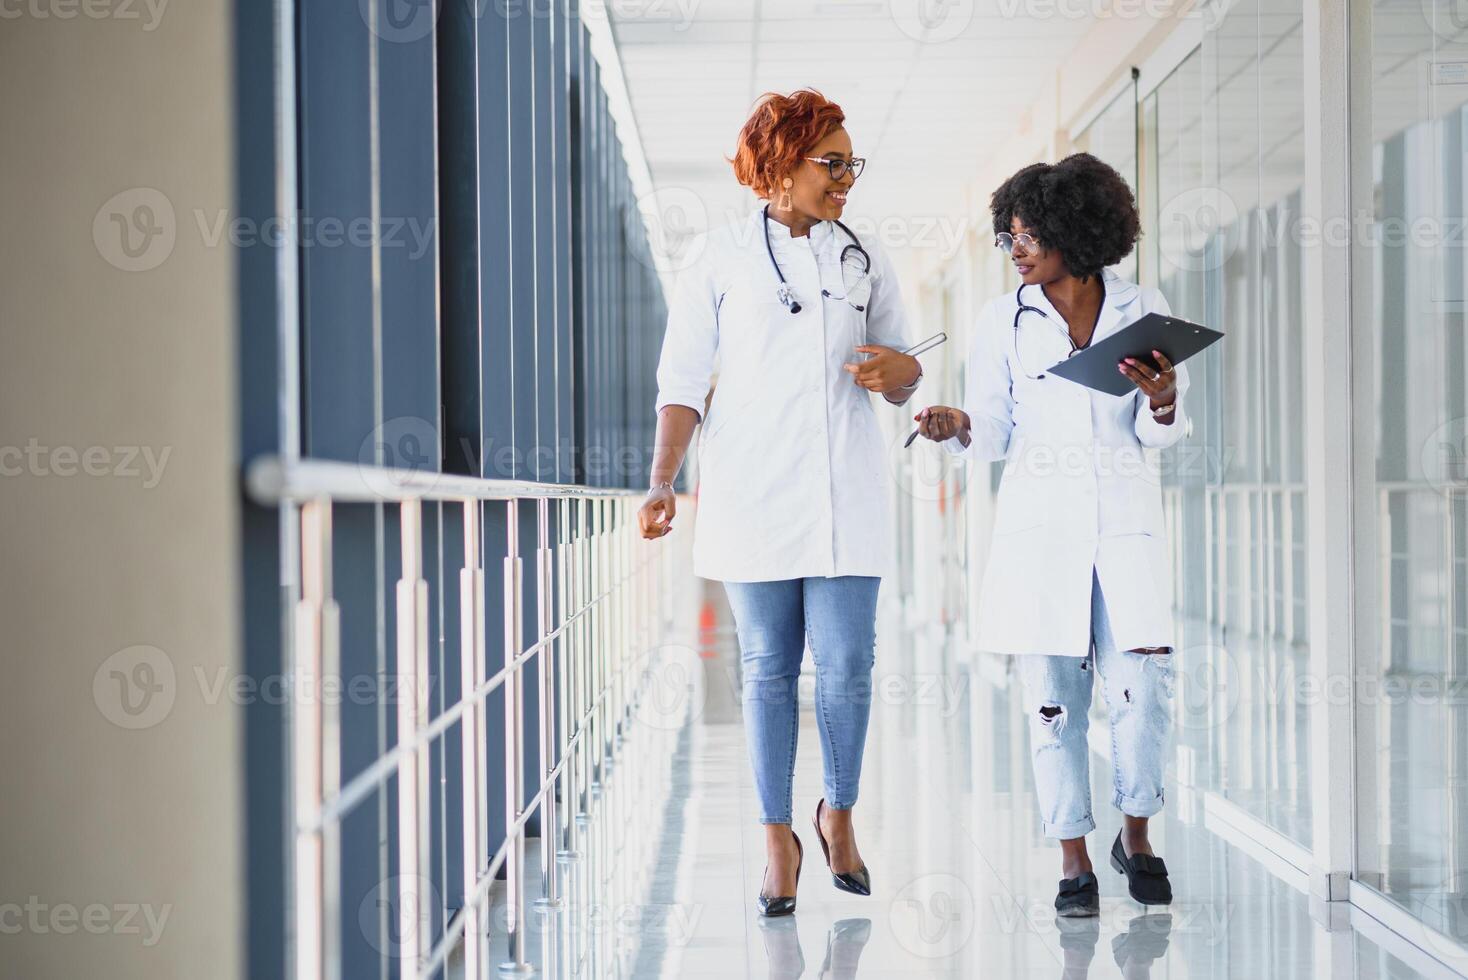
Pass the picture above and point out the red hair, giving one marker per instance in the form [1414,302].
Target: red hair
[781,130]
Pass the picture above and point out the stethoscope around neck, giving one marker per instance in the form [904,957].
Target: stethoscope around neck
[786,294]
[1022,309]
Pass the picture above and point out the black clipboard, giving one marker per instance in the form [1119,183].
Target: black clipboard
[1095,366]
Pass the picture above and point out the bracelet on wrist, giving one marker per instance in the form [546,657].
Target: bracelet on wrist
[912,385]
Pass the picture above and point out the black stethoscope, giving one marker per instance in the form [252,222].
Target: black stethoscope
[786,295]
[1024,308]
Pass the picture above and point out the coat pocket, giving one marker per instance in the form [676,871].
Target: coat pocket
[1022,505]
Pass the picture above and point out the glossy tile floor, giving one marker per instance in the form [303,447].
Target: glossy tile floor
[671,855]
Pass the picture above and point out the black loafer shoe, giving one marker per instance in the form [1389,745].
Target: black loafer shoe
[772,905]
[1078,897]
[1146,875]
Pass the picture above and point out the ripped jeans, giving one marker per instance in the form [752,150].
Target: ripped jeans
[1057,699]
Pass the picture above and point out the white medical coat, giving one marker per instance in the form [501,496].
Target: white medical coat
[793,473]
[1081,488]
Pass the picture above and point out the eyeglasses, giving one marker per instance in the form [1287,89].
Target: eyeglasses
[1006,243]
[839,167]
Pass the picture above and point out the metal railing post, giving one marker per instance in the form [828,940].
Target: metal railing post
[545,612]
[307,741]
[565,566]
[412,675]
[471,729]
[514,752]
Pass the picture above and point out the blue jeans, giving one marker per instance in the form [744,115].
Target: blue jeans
[774,619]
[1057,700]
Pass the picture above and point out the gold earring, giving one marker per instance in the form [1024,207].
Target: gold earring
[786,203]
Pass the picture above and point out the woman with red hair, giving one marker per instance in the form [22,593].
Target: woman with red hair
[805,324]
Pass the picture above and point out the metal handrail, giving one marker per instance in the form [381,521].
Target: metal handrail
[585,696]
[273,480]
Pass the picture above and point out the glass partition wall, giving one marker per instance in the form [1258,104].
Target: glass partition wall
[1222,142]
[1410,691]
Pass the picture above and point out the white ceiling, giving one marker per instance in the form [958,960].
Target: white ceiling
[923,103]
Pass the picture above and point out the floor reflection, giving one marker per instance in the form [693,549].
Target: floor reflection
[671,854]
[785,960]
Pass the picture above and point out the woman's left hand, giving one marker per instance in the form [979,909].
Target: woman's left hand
[885,370]
[1161,387]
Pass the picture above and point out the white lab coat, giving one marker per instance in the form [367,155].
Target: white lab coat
[1081,488]
[793,474]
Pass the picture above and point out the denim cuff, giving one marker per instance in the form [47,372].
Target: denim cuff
[1068,831]
[784,819]
[1134,807]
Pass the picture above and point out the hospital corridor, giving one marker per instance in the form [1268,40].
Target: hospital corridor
[698,489]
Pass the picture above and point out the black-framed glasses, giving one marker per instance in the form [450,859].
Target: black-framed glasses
[1006,243]
[840,167]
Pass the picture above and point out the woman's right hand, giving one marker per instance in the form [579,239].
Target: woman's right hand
[940,423]
[655,516]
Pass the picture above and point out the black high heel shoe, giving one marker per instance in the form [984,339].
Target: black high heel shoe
[772,905]
[858,882]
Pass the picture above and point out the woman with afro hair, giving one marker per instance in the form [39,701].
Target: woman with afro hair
[1077,581]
